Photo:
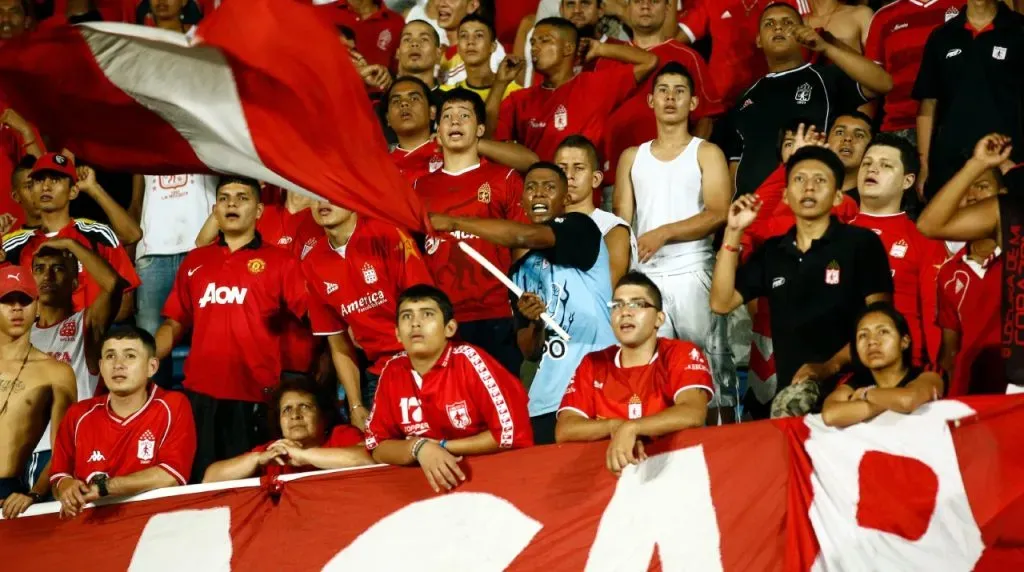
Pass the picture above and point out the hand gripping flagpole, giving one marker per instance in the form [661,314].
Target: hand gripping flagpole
[475,255]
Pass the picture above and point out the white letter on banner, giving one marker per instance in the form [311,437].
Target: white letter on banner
[458,531]
[185,540]
[665,500]
[951,540]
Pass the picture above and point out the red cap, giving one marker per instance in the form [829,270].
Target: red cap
[56,163]
[17,279]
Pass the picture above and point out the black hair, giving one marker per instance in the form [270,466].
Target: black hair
[301,383]
[476,17]
[421,292]
[410,79]
[24,164]
[791,126]
[349,33]
[779,5]
[463,95]
[902,329]
[433,32]
[253,184]
[672,68]
[49,252]
[549,166]
[822,154]
[130,332]
[563,25]
[578,141]
[908,152]
[637,278]
[858,115]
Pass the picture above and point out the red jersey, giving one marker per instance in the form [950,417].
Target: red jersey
[341,436]
[235,303]
[508,15]
[12,149]
[969,304]
[92,439]
[895,41]
[21,246]
[417,162]
[466,393]
[376,35]
[486,190]
[297,232]
[633,122]
[736,61]
[540,117]
[356,287]
[602,389]
[914,262]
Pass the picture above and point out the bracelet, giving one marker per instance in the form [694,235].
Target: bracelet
[417,446]
[358,406]
[730,248]
[444,444]
[36,497]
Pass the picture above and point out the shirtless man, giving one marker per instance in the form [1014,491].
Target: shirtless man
[848,23]
[34,389]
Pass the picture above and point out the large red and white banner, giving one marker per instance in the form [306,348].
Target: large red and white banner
[939,490]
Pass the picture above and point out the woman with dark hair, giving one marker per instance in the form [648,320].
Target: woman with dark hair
[884,378]
[300,415]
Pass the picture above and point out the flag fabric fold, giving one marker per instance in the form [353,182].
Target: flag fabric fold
[265,89]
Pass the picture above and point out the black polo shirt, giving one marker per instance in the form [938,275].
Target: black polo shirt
[815,295]
[811,93]
[978,84]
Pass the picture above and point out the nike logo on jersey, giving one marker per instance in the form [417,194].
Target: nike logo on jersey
[193,270]
[96,457]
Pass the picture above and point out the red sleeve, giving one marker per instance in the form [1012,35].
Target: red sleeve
[508,115]
[928,276]
[770,192]
[847,210]
[710,104]
[323,319]
[179,446]
[947,315]
[693,20]
[381,425]
[499,397]
[62,463]
[615,83]
[513,203]
[294,292]
[344,436]
[688,369]
[122,264]
[874,44]
[178,306]
[410,268]
[579,396]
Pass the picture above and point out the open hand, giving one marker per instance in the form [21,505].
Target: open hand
[743,211]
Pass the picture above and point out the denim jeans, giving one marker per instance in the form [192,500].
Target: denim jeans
[157,273]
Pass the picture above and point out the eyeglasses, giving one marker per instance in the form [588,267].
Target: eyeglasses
[618,305]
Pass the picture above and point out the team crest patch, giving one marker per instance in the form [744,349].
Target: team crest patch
[832,273]
[384,39]
[561,118]
[257,265]
[458,414]
[60,159]
[951,13]
[369,273]
[436,162]
[68,329]
[899,249]
[432,244]
[147,443]
[747,104]
[998,53]
[636,408]
[803,94]
[483,194]
[307,247]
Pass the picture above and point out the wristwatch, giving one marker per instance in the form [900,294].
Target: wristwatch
[100,481]
[36,497]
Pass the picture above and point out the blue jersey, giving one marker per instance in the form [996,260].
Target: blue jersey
[574,279]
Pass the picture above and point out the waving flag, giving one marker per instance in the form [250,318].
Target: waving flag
[266,90]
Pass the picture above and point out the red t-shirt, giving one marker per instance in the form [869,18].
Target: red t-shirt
[357,287]
[424,159]
[736,61]
[466,393]
[22,245]
[633,122]
[540,117]
[341,436]
[92,439]
[377,35]
[914,262]
[602,389]
[235,303]
[485,191]
[896,40]
[969,304]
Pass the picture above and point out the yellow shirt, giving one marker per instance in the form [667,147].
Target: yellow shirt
[483,92]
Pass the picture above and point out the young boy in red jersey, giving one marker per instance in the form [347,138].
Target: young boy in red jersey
[638,388]
[137,438]
[441,400]
[889,169]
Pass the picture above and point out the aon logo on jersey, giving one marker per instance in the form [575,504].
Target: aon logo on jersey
[223,295]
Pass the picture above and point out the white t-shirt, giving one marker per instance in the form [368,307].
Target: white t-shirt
[174,208]
[65,342]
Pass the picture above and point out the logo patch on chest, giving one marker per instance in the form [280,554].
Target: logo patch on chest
[899,249]
[256,265]
[458,414]
[832,273]
[561,118]
[147,444]
[803,94]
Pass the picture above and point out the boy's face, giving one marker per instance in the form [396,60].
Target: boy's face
[579,169]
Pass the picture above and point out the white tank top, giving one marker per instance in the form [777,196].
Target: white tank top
[65,342]
[668,192]
[606,221]
[174,209]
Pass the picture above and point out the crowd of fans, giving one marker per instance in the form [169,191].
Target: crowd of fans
[716,210]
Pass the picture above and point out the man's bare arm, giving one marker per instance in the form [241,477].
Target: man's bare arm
[208,233]
[623,200]
[690,410]
[140,482]
[394,452]
[571,426]
[644,62]
[167,336]
[507,233]
[619,252]
[65,394]
[948,349]
[943,218]
[124,225]
[507,153]
[724,296]
[482,443]
[343,354]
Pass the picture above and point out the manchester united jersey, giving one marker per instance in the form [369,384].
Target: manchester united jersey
[236,304]
[466,393]
[602,389]
[914,262]
[355,288]
[414,163]
[485,191]
[92,439]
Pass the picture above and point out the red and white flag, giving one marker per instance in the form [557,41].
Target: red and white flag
[265,90]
